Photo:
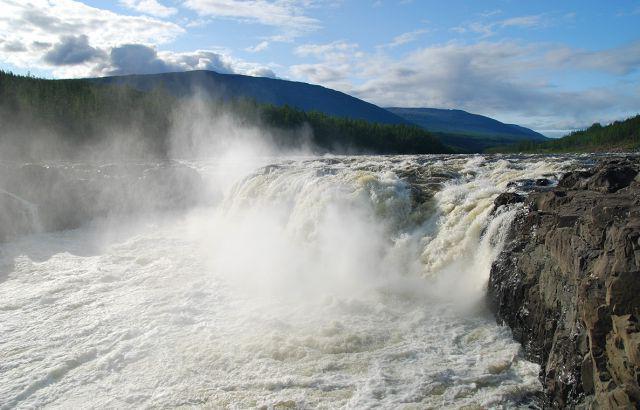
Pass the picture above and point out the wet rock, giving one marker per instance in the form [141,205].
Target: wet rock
[424,183]
[613,175]
[508,198]
[543,182]
[607,176]
[574,179]
[568,285]
[530,184]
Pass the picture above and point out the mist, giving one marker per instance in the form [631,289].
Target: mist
[226,263]
[122,169]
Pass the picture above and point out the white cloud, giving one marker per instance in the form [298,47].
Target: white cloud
[523,21]
[261,46]
[72,50]
[619,61]
[75,40]
[489,28]
[491,78]
[332,51]
[490,13]
[321,73]
[258,71]
[335,66]
[288,15]
[484,29]
[39,24]
[152,7]
[405,38]
[141,59]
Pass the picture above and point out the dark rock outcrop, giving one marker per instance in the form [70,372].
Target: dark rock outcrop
[568,285]
[508,198]
[531,184]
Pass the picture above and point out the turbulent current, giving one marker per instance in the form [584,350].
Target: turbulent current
[326,282]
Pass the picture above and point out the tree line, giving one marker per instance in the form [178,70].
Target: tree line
[617,136]
[78,111]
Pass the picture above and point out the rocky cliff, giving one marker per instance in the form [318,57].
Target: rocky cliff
[568,285]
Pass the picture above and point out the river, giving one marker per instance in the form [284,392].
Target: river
[315,282]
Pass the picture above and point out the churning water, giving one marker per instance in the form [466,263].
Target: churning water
[321,282]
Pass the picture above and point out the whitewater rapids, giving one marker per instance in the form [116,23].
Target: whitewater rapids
[351,282]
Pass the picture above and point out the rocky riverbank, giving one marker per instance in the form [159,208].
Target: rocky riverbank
[568,284]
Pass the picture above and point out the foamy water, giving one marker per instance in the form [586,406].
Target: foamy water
[350,282]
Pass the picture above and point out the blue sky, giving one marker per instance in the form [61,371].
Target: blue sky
[549,65]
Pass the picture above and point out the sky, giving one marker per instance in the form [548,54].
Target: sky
[553,66]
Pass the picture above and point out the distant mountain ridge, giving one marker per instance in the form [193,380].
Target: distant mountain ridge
[304,96]
[464,131]
[110,120]
[462,122]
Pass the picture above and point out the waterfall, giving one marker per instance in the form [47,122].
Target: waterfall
[350,282]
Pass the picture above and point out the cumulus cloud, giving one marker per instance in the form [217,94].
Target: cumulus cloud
[36,23]
[13,47]
[133,59]
[72,50]
[152,7]
[260,72]
[199,60]
[141,59]
[76,40]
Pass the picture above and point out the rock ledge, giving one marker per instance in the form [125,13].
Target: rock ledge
[568,285]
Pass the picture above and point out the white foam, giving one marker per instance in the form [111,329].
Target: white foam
[316,284]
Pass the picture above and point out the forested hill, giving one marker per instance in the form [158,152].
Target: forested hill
[465,123]
[616,137]
[466,131]
[264,90]
[62,115]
